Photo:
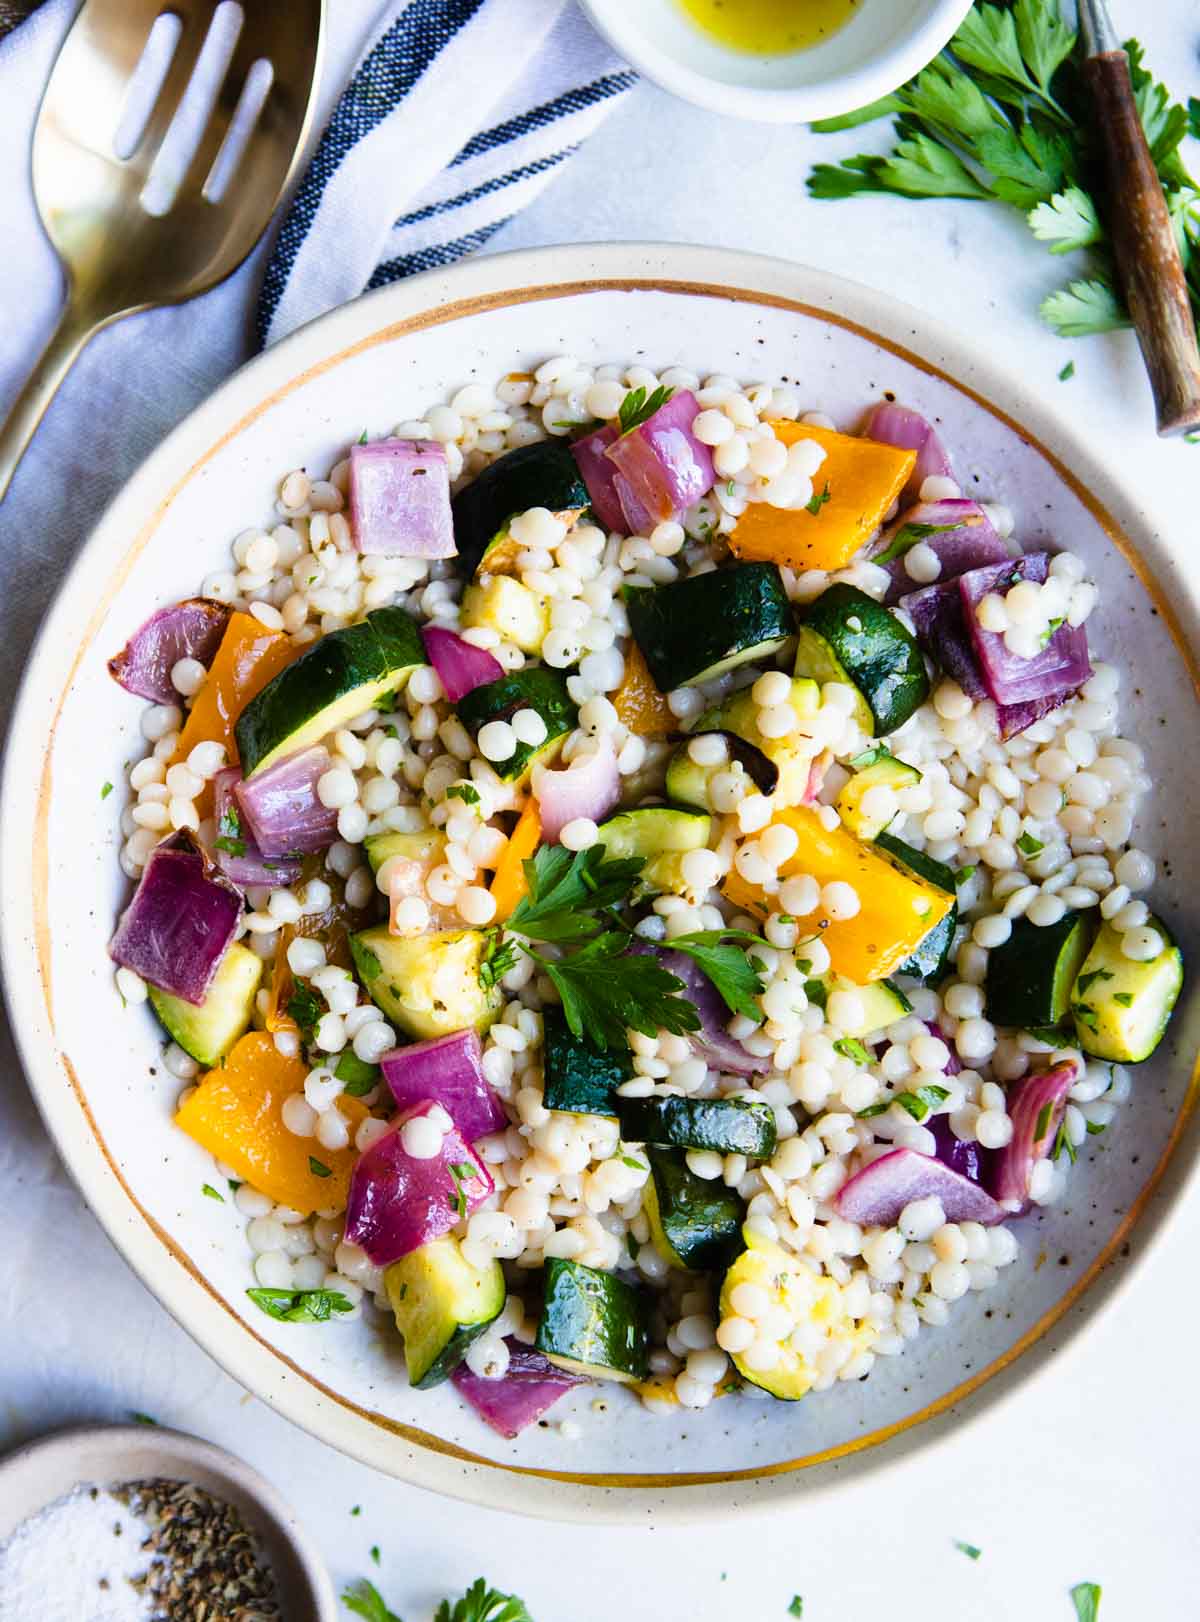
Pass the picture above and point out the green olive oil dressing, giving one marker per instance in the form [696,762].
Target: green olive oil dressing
[770,27]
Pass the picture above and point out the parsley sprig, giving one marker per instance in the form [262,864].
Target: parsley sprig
[300,1306]
[365,1600]
[483,1604]
[907,536]
[637,407]
[718,952]
[1002,115]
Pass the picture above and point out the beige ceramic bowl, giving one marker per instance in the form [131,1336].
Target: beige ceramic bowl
[96,1069]
[40,1473]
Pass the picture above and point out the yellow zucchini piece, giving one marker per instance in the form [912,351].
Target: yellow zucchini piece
[864,479]
[505,605]
[898,909]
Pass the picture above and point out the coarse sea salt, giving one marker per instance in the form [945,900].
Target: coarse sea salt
[74,1560]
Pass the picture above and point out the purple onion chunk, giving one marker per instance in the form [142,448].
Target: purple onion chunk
[1060,668]
[893,424]
[941,627]
[712,1042]
[460,665]
[236,850]
[400,499]
[969,1160]
[1036,1106]
[875,1196]
[399,1203]
[589,787]
[182,919]
[448,1070]
[602,480]
[281,809]
[969,543]
[531,1386]
[187,630]
[665,466]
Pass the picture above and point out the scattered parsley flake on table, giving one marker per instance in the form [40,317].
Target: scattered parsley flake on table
[1086,1599]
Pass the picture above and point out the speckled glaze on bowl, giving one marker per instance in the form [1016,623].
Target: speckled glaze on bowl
[41,1472]
[95,1068]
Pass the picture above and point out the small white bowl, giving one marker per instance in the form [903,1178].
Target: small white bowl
[44,1471]
[881,46]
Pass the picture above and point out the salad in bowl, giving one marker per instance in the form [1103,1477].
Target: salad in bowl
[640,885]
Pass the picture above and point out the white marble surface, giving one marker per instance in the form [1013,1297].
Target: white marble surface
[1091,1472]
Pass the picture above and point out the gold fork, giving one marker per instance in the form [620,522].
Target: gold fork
[118,256]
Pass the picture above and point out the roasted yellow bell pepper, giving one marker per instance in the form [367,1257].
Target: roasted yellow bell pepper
[247,659]
[863,477]
[508,883]
[638,703]
[897,909]
[236,1113]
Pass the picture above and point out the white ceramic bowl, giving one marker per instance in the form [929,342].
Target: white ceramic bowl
[96,1068]
[41,1472]
[880,47]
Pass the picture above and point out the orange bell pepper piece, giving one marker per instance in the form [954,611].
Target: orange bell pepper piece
[638,702]
[249,656]
[863,478]
[508,882]
[896,908]
[236,1113]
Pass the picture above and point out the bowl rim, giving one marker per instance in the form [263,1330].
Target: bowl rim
[77,1455]
[798,104]
[440,298]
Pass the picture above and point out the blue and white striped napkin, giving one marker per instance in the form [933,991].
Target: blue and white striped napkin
[458,114]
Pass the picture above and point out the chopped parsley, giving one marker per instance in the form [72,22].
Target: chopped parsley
[1086,1599]
[1029,846]
[355,1076]
[105,791]
[1085,982]
[870,757]
[210,1193]
[300,1306]
[918,1104]
[818,501]
[368,961]
[796,1608]
[467,792]
[318,1167]
[306,1007]
[851,1048]
[462,1172]
[634,1165]
[498,957]
[1067,373]
[1063,1144]
[229,832]
[1043,1122]
[1125,998]
[963,874]
[139,1418]
[375,1553]
[907,536]
[969,1549]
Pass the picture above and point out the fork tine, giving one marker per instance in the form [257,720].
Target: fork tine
[291,53]
[196,17]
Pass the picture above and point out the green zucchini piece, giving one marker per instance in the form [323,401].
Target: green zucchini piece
[425,846]
[695,1223]
[1121,1008]
[441,1304]
[209,1030]
[801,1297]
[886,772]
[739,715]
[845,631]
[544,474]
[427,985]
[337,678]
[509,607]
[731,1126]
[883,1004]
[575,1075]
[688,783]
[932,957]
[1030,978]
[699,627]
[592,1323]
[539,689]
[662,835]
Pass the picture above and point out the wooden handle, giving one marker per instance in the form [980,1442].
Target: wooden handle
[1147,258]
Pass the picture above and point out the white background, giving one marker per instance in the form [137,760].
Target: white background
[1091,1471]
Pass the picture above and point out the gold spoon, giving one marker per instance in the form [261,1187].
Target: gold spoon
[119,255]
[1144,246]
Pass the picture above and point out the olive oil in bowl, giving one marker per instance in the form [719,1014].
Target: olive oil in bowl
[770,27]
